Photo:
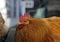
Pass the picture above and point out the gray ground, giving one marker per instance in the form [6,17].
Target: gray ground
[11,35]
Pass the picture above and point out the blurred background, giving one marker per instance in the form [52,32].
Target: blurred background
[12,10]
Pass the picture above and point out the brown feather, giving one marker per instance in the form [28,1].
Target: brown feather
[39,30]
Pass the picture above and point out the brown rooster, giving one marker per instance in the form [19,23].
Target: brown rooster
[38,30]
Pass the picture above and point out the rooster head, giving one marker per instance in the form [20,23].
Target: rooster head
[24,19]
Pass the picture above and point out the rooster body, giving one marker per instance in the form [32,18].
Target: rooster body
[39,30]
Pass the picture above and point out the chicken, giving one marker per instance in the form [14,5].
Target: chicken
[3,28]
[38,30]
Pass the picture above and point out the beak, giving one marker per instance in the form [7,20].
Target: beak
[19,23]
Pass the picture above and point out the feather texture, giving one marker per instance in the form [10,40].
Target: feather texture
[39,30]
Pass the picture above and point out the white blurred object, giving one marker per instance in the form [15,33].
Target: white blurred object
[2,3]
[3,9]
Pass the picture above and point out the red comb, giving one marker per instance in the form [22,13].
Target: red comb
[23,19]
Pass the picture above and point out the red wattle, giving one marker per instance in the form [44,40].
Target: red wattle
[21,26]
